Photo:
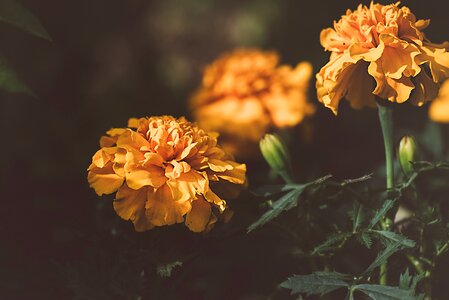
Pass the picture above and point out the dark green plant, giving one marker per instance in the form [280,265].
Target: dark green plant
[14,14]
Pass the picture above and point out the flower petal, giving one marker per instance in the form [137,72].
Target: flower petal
[188,185]
[219,165]
[398,58]
[162,209]
[330,91]
[148,176]
[130,205]
[104,180]
[425,89]
[395,90]
[198,217]
[236,175]
[210,196]
[438,58]
[439,109]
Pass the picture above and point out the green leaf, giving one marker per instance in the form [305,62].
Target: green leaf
[405,280]
[409,282]
[10,82]
[357,216]
[383,256]
[318,283]
[384,292]
[15,14]
[391,237]
[365,239]
[286,202]
[393,242]
[332,242]
[165,270]
[388,204]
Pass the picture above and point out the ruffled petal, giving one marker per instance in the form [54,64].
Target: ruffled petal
[188,185]
[103,156]
[148,176]
[104,180]
[210,196]
[162,209]
[236,175]
[130,205]
[398,58]
[425,89]
[219,165]
[360,91]
[395,90]
[331,91]
[198,217]
[438,59]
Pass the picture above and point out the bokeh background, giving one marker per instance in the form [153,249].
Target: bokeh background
[111,60]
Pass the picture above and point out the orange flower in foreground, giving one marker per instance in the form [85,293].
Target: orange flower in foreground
[439,109]
[164,171]
[246,92]
[384,42]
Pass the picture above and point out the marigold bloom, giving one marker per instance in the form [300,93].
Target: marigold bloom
[384,42]
[246,92]
[164,171]
[439,109]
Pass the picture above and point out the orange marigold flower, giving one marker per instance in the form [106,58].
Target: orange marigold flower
[384,42]
[164,171]
[246,92]
[439,109]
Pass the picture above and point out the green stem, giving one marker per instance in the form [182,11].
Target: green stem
[286,176]
[386,123]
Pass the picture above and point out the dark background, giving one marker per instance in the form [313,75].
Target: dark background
[111,60]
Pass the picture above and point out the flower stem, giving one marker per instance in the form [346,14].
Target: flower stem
[386,123]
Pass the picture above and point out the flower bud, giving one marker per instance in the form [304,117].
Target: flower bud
[407,153]
[275,152]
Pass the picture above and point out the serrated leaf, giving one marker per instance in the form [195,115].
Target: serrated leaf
[286,202]
[409,282]
[15,14]
[10,82]
[365,239]
[393,243]
[384,292]
[388,204]
[391,237]
[318,283]
[405,280]
[331,242]
[165,270]
[357,216]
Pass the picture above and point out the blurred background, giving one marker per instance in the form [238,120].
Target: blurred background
[111,60]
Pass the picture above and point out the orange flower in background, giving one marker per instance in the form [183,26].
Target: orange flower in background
[384,43]
[165,171]
[439,109]
[246,92]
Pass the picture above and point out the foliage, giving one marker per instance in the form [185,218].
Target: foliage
[15,14]
[370,224]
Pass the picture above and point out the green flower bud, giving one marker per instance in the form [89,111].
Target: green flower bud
[275,153]
[407,153]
